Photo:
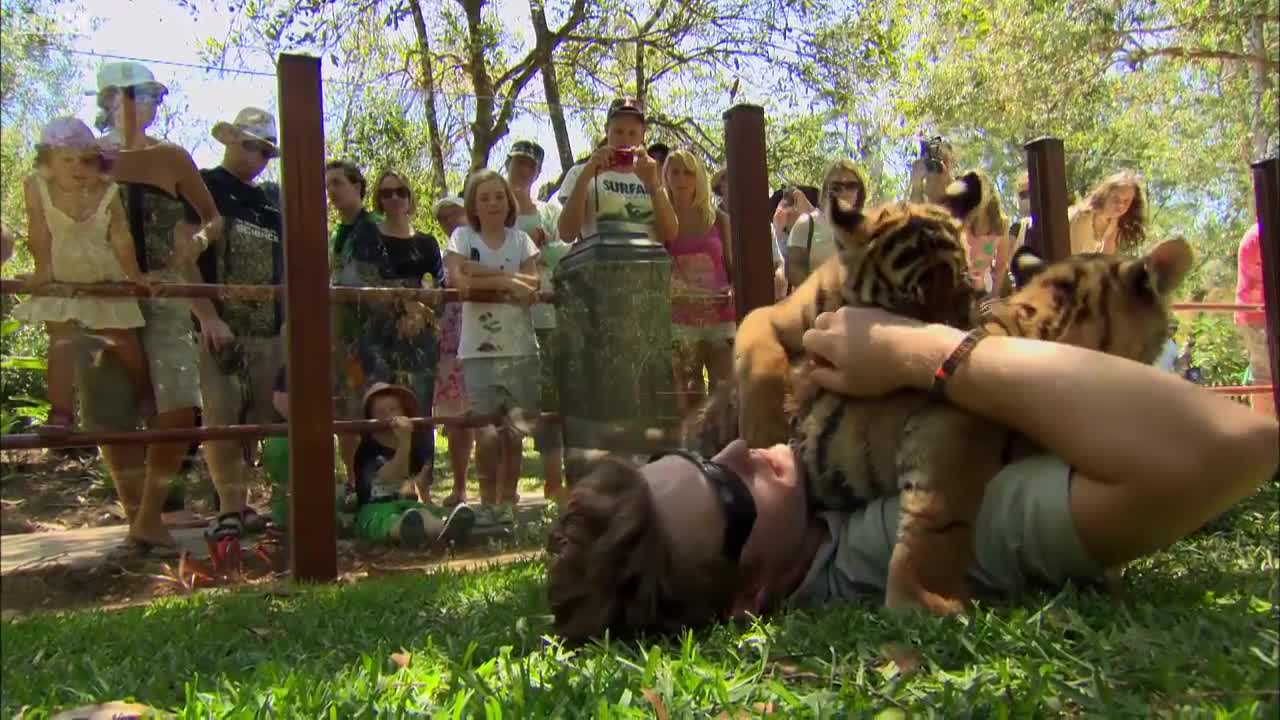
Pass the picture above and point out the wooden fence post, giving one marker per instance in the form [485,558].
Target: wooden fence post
[1050,233]
[1266,194]
[748,176]
[312,522]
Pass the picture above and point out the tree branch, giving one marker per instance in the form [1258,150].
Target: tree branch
[1136,57]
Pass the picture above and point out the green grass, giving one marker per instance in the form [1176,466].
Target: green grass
[1196,635]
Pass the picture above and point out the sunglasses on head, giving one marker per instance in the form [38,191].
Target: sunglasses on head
[388,193]
[841,186]
[733,495]
[258,147]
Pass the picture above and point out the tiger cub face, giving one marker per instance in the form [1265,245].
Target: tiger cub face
[1116,305]
[910,258]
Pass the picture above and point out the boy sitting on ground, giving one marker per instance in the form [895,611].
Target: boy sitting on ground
[386,462]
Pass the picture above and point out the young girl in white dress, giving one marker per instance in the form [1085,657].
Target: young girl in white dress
[77,233]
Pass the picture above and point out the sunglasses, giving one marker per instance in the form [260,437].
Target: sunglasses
[733,495]
[839,187]
[258,147]
[388,193]
[143,94]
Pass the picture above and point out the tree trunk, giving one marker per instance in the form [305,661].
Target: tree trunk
[551,84]
[640,73]
[481,84]
[1260,82]
[439,182]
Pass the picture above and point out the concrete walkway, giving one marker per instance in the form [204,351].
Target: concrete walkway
[91,547]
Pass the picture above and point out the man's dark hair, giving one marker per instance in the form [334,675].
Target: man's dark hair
[351,171]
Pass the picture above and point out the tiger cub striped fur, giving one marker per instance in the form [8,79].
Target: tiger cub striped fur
[908,260]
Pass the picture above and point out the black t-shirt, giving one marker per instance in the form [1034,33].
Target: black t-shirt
[371,455]
[404,260]
[250,252]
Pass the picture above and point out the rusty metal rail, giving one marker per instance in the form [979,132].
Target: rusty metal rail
[27,441]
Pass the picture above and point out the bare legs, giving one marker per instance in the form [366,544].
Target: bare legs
[142,475]
[461,440]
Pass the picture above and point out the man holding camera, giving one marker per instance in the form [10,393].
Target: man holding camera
[618,191]
[931,172]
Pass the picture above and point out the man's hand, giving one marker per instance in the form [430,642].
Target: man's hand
[599,161]
[215,334]
[869,352]
[646,168]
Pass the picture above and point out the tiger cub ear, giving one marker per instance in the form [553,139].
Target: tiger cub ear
[1024,265]
[1162,269]
[963,195]
[844,215]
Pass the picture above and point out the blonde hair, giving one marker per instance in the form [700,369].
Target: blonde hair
[987,218]
[844,165]
[1132,226]
[702,201]
[611,567]
[477,179]
[377,190]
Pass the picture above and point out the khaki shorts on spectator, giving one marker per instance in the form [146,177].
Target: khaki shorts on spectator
[244,397]
[496,385]
[170,345]
[1026,540]
[1255,340]
[107,399]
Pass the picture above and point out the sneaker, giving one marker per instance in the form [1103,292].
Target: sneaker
[413,529]
[457,525]
[504,514]
[484,516]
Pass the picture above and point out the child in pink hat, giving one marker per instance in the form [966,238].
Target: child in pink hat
[77,233]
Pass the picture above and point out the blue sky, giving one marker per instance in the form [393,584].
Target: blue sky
[169,38]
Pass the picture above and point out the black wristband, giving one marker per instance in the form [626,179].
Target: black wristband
[957,357]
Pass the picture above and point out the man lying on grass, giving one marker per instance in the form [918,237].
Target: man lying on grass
[1137,459]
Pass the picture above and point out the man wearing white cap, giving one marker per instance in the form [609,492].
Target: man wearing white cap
[239,363]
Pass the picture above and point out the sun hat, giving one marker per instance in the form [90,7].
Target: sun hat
[529,149]
[445,202]
[626,106]
[251,123]
[127,73]
[408,400]
[67,133]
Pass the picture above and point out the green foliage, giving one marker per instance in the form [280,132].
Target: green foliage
[22,375]
[1195,636]
[1219,352]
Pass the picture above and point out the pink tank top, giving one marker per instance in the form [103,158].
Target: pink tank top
[697,266]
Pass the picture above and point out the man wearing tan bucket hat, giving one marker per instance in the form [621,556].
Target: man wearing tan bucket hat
[241,352]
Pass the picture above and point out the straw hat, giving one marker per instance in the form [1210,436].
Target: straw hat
[251,123]
[408,400]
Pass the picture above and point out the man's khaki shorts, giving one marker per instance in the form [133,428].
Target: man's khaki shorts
[1026,540]
[243,397]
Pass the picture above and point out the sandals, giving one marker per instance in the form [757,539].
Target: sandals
[227,525]
[137,547]
[236,524]
[453,499]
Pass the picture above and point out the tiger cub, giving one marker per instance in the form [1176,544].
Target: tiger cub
[910,260]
